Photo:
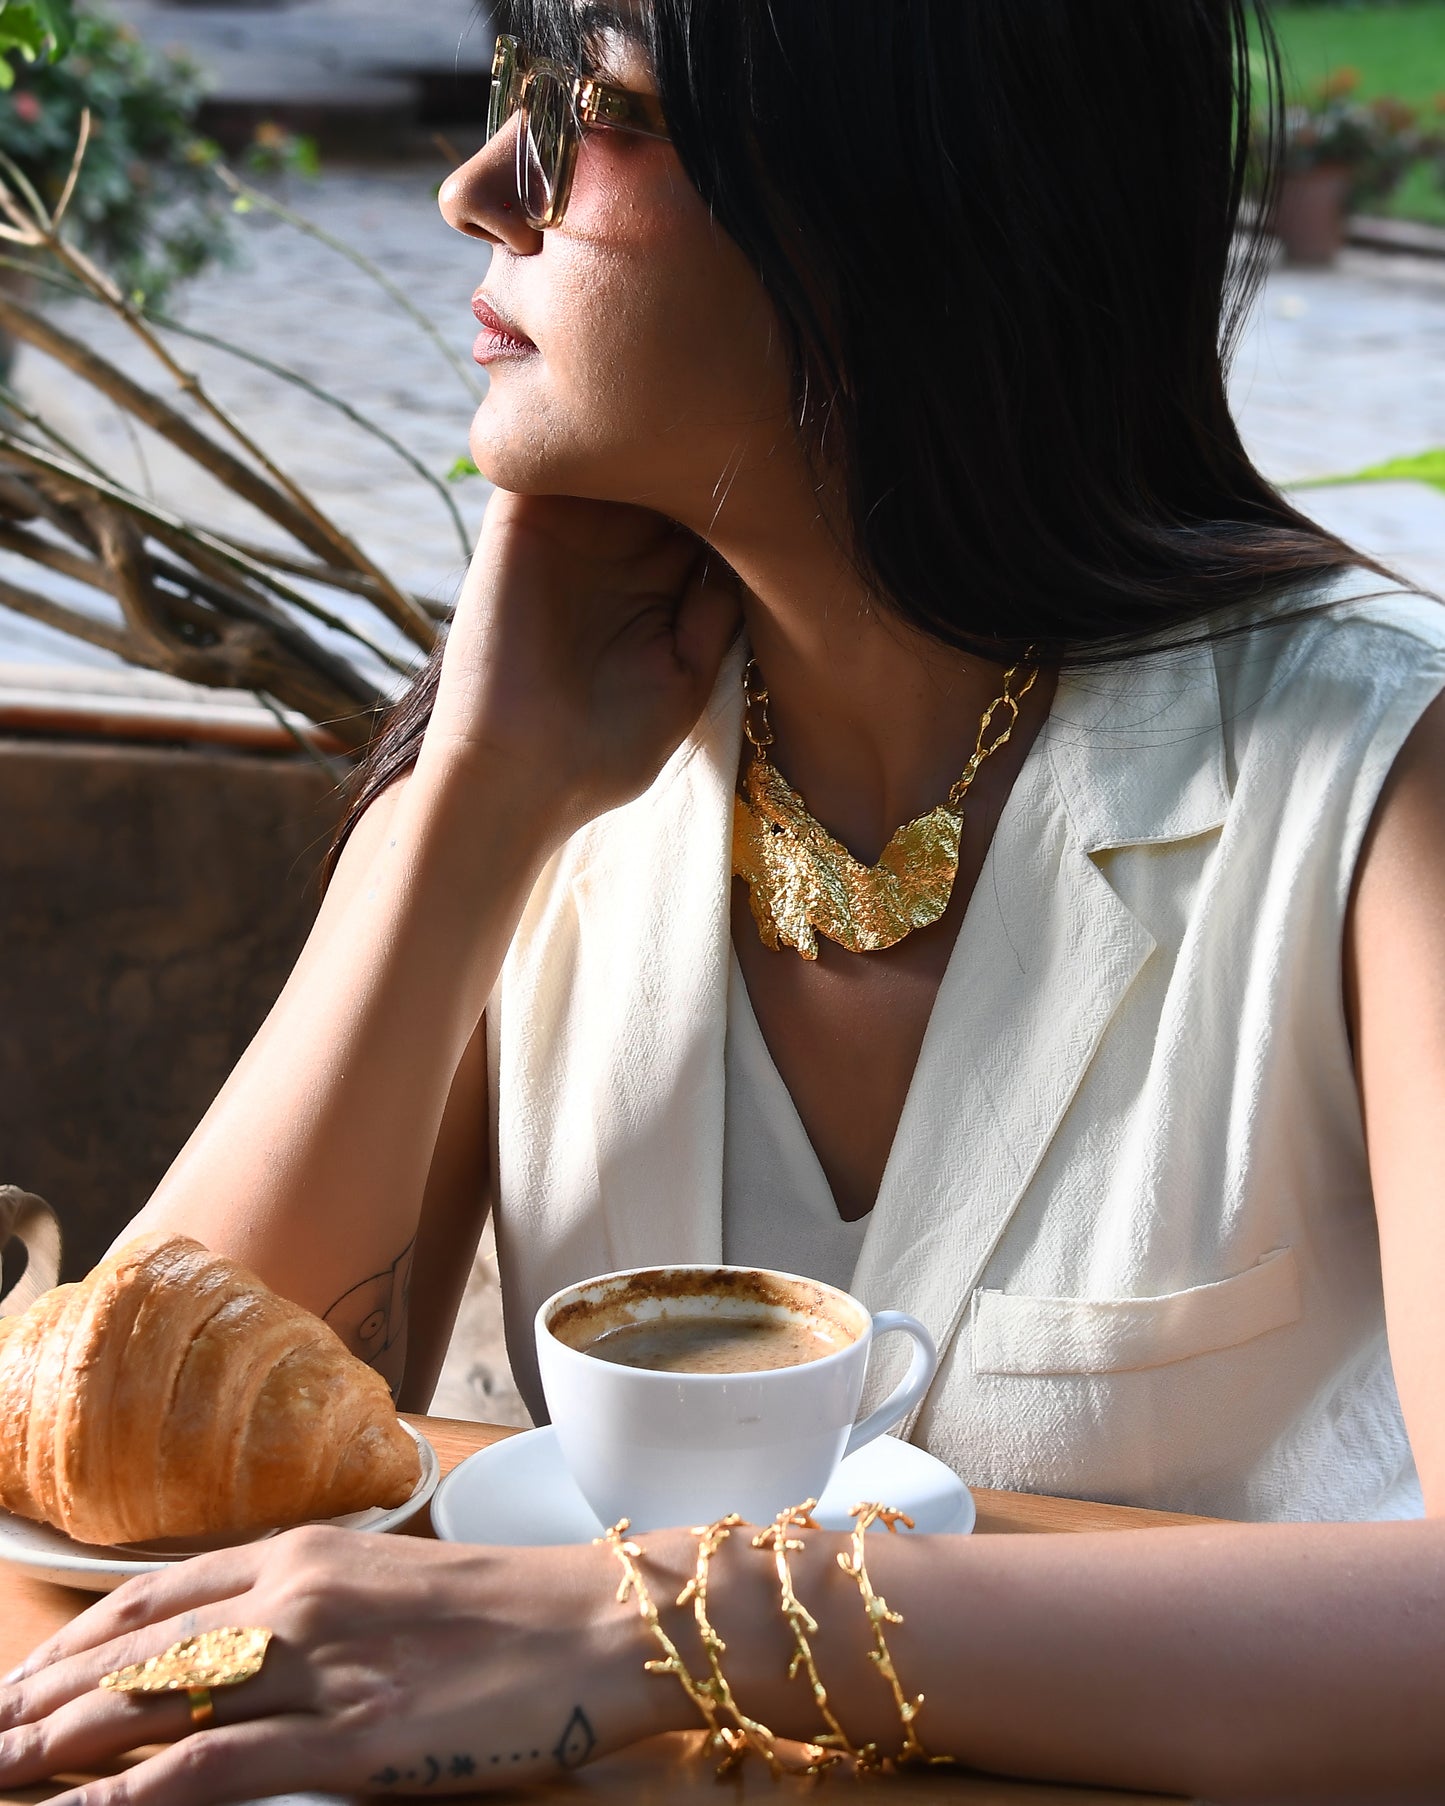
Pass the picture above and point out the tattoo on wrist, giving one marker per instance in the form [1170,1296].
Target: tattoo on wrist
[427,1772]
[371,1318]
[573,1748]
[577,1742]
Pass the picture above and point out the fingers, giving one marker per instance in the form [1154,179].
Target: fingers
[97,1727]
[72,1676]
[189,1586]
[243,1762]
[62,1720]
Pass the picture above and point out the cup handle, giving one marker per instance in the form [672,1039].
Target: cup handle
[30,1220]
[910,1388]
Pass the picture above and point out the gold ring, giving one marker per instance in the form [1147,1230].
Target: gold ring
[215,1658]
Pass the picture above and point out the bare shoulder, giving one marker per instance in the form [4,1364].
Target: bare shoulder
[1407,831]
[1395,994]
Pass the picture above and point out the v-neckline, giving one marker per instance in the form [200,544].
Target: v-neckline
[929,1040]
[773,1078]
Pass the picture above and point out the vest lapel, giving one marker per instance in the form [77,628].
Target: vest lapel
[1045,954]
[653,908]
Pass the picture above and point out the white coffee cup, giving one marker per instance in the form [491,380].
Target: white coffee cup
[665,1448]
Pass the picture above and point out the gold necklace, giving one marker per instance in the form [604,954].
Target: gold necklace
[803,883]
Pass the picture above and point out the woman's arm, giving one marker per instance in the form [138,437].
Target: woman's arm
[1395,987]
[1265,1662]
[586,642]
[454,1210]
[313,1163]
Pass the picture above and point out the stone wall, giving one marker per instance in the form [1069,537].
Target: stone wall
[152,902]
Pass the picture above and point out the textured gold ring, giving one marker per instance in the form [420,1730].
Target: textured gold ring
[215,1658]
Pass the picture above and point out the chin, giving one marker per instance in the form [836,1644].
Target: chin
[536,457]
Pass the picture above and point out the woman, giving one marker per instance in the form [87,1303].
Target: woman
[901,352]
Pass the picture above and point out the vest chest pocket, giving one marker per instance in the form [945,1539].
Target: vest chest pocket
[1016,1334]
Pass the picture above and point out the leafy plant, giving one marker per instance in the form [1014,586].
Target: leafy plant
[147,204]
[32,29]
[1376,141]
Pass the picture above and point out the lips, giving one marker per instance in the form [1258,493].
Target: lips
[497,331]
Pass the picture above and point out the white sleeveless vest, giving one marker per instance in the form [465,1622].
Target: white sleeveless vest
[1128,1194]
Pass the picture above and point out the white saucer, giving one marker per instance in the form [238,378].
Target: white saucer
[49,1554]
[519,1493]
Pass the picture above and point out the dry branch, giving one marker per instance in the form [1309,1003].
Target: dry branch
[164,420]
[196,603]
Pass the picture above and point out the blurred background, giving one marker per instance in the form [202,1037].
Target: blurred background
[235,501]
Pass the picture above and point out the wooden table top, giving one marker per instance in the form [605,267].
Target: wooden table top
[666,1769]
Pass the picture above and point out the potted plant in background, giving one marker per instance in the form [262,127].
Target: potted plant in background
[1340,154]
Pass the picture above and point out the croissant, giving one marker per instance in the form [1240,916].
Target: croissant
[172,1393]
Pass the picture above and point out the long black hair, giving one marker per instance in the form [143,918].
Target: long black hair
[1003,238]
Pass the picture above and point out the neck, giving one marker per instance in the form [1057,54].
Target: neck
[872,720]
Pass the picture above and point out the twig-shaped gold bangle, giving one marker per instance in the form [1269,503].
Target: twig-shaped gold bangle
[855,1566]
[749,1733]
[723,1738]
[834,1743]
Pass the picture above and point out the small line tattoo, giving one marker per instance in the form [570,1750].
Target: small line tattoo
[371,1317]
[429,1772]
[577,1742]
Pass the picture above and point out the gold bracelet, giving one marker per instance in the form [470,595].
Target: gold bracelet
[722,1738]
[912,1754]
[834,1744]
[714,1696]
[749,1732]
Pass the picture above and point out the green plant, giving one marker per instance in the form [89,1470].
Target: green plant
[1418,467]
[1376,141]
[147,204]
[32,29]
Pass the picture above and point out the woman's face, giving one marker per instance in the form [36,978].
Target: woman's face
[656,374]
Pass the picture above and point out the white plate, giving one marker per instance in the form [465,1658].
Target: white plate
[519,1493]
[49,1554]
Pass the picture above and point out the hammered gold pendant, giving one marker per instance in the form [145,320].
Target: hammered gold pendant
[803,883]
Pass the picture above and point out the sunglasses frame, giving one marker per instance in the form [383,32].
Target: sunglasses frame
[593,105]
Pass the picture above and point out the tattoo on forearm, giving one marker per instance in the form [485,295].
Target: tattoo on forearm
[574,1747]
[371,1317]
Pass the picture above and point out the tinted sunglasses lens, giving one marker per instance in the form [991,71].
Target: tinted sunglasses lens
[506,86]
[543,148]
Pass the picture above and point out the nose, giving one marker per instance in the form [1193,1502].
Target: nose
[481,197]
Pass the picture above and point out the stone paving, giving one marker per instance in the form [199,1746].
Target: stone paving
[325,52]
[1339,369]
[1344,368]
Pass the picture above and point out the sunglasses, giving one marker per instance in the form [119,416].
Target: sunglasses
[556,107]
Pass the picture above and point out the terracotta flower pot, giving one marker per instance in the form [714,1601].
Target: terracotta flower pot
[1310,218]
